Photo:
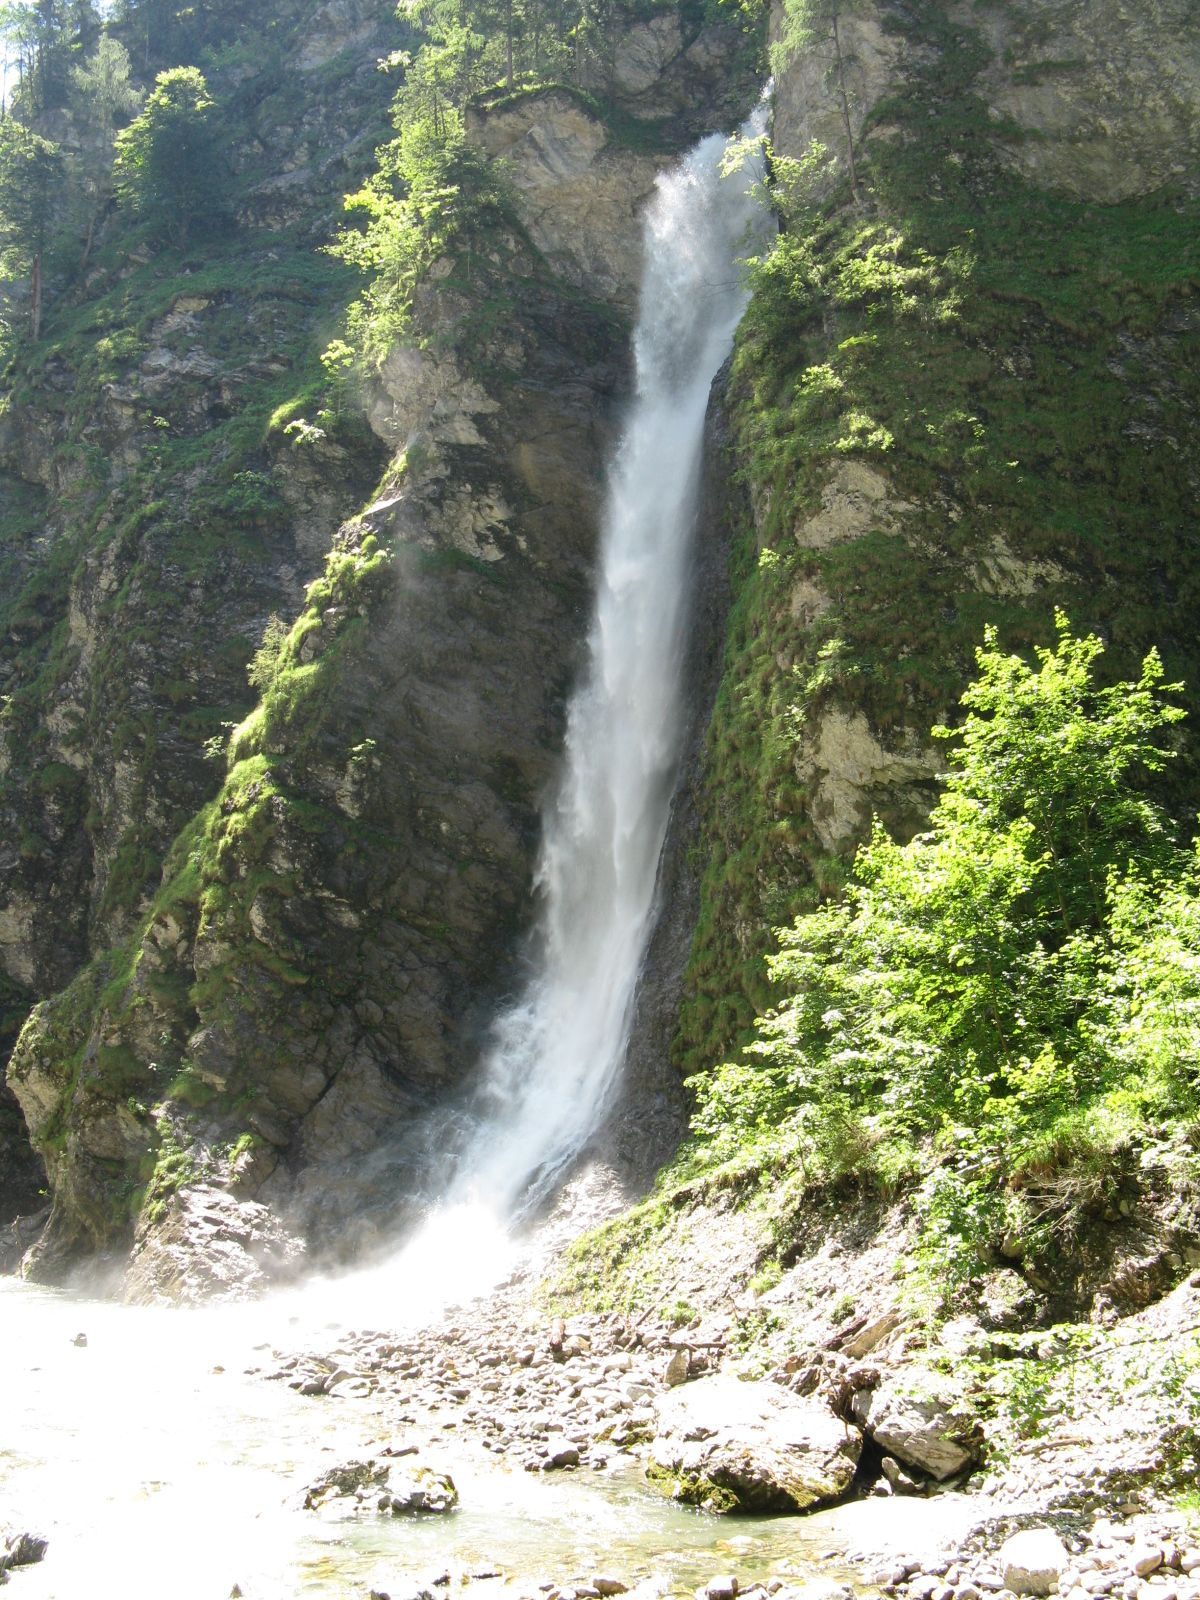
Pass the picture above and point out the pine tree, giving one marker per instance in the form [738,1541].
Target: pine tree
[30,173]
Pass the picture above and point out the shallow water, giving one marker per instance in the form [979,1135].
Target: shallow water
[152,1474]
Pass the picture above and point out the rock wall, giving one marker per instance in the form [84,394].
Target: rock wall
[299,1002]
[1094,97]
[965,398]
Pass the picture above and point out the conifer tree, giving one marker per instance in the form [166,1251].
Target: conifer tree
[30,172]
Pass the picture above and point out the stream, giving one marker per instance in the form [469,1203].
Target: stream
[153,1472]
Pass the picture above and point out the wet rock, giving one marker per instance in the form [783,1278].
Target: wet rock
[383,1487]
[23,1550]
[419,1489]
[210,1245]
[724,1587]
[728,1445]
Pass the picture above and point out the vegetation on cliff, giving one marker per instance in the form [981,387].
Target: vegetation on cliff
[964,403]
[959,401]
[1018,984]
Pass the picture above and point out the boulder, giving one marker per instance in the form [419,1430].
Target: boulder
[376,1486]
[1033,1561]
[921,1418]
[732,1446]
[419,1489]
[23,1550]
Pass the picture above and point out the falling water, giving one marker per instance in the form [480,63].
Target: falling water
[556,1052]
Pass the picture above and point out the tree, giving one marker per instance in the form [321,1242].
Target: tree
[39,38]
[817,25]
[168,168]
[30,173]
[104,97]
[972,977]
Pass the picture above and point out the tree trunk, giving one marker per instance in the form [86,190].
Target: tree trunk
[845,103]
[35,295]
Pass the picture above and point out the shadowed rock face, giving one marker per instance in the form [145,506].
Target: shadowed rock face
[303,1006]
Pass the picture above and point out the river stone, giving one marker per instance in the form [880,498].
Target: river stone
[24,1550]
[919,1417]
[420,1489]
[733,1446]
[1033,1561]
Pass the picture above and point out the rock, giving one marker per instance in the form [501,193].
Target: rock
[209,1245]
[1146,1559]
[25,1549]
[677,1368]
[728,1445]
[1033,1561]
[898,1478]
[606,1585]
[920,1418]
[724,1587]
[350,1478]
[873,1333]
[420,1489]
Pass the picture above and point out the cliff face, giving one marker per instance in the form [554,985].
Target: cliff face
[968,398]
[153,516]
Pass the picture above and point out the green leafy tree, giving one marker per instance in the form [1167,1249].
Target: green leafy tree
[104,97]
[168,167]
[433,197]
[818,26]
[31,171]
[960,984]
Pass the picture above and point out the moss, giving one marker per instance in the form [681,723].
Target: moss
[692,1488]
[1015,365]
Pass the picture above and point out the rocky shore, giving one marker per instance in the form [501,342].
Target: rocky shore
[714,1415]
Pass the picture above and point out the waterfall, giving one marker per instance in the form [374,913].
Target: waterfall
[556,1052]
[554,1055]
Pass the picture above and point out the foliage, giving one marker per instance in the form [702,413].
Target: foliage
[168,167]
[30,170]
[433,197]
[1005,980]
[815,26]
[1030,384]
[102,86]
[41,37]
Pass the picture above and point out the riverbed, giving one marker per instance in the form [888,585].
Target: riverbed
[155,1464]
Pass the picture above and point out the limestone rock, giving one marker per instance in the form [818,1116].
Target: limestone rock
[578,194]
[1097,105]
[1033,1561]
[24,1550]
[420,1489]
[920,1418]
[729,1445]
[209,1245]
[381,1487]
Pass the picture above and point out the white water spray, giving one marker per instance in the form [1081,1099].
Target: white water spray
[557,1052]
